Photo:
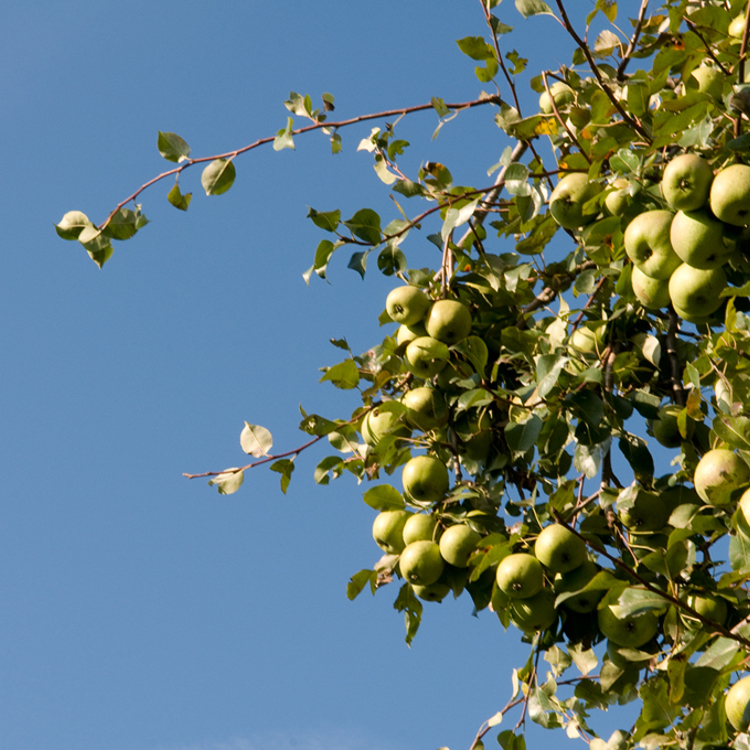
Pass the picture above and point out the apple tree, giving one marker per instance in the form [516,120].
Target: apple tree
[508,418]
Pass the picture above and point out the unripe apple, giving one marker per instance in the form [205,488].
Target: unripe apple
[562,95]
[420,527]
[619,198]
[709,80]
[427,356]
[407,305]
[559,549]
[425,408]
[737,26]
[457,544]
[730,195]
[520,575]
[407,334]
[646,513]
[435,592]
[575,580]
[379,422]
[425,479]
[737,705]
[387,530]
[535,612]
[666,429]
[695,293]
[686,182]
[421,563]
[586,340]
[698,239]
[449,321]
[648,245]
[712,607]
[719,474]
[653,294]
[566,203]
[632,631]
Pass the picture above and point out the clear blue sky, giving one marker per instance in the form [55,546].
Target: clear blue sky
[140,610]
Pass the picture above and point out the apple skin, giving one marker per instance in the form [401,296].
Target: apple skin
[646,513]
[618,199]
[575,580]
[388,528]
[712,607]
[379,423]
[421,564]
[535,612]
[562,95]
[425,408]
[420,527]
[457,544]
[686,182]
[435,592]
[730,195]
[449,321]
[520,575]
[653,294]
[426,356]
[425,479]
[407,305]
[737,26]
[666,429]
[709,80]
[568,198]
[718,475]
[407,334]
[695,293]
[630,632]
[559,549]
[737,705]
[698,239]
[648,245]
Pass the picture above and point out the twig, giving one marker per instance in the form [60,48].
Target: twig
[633,41]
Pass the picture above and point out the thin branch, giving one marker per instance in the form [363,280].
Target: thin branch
[633,41]
[560,119]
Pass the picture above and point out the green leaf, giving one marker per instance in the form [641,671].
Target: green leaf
[476,48]
[218,176]
[97,244]
[384,497]
[172,147]
[548,368]
[322,256]
[733,430]
[391,260]
[408,603]
[327,220]
[528,8]
[636,601]
[124,224]
[344,375]
[255,440]
[72,224]
[285,467]
[365,224]
[475,350]
[358,262]
[522,436]
[283,137]
[439,106]
[228,481]
[177,199]
[358,581]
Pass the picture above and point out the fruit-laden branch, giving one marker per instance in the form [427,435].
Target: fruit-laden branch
[741,70]
[318,125]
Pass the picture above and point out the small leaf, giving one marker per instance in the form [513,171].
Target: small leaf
[284,138]
[172,147]
[285,467]
[72,224]
[358,581]
[218,177]
[256,440]
[177,199]
[475,47]
[228,481]
[358,263]
[327,220]
[344,375]
[384,497]
[528,8]
[365,224]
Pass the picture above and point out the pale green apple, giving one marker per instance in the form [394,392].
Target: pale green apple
[435,592]
[380,422]
[648,245]
[421,527]
[711,607]
[666,428]
[388,528]
[566,204]
[426,356]
[425,479]
[709,80]
[737,705]
[574,581]
[421,563]
[698,238]
[586,340]
[730,195]
[719,474]
[646,513]
[407,305]
[449,321]
[737,26]
[407,334]
[618,197]
[696,293]
[559,549]
[632,631]
[457,544]
[520,575]
[535,612]
[686,182]
[653,294]
[562,95]
[425,408]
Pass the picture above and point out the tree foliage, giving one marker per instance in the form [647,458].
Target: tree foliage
[541,413]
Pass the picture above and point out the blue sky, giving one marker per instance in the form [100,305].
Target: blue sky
[140,610]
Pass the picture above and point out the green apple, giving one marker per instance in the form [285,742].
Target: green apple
[379,422]
[709,80]
[457,544]
[618,198]
[535,612]
[737,26]
[730,195]
[425,408]
[475,431]
[388,528]
[719,474]
[737,705]
[559,549]
[566,203]
[407,305]
[686,182]
[562,95]
[426,356]
[574,581]
[666,429]
[449,321]
[435,592]
[646,513]
[407,334]
[698,239]
[425,479]
[713,608]
[632,631]
[420,563]
[420,527]
[653,294]
[520,575]
[648,245]
[695,292]
[586,340]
